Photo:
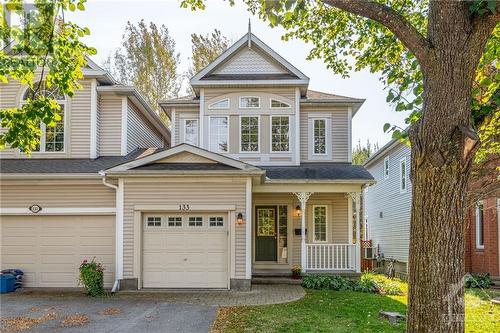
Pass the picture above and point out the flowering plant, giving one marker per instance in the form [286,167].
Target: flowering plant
[91,277]
[296,271]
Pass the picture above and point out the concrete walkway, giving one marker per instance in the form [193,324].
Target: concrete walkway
[134,311]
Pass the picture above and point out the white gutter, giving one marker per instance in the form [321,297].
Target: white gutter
[118,230]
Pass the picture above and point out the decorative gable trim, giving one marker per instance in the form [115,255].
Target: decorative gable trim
[185,148]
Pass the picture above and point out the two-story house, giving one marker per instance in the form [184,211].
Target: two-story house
[388,213]
[258,178]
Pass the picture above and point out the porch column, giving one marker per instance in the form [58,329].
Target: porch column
[303,197]
[357,199]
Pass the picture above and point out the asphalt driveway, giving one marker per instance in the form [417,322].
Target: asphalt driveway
[66,313]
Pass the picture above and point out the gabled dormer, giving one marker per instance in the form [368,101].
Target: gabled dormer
[253,105]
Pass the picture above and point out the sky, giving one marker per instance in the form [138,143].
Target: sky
[106,20]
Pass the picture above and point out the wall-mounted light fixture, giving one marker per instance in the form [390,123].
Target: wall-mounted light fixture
[298,211]
[239,219]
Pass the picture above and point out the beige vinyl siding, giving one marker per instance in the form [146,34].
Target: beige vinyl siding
[140,132]
[9,98]
[337,225]
[339,133]
[191,191]
[98,126]
[79,125]
[22,194]
[110,125]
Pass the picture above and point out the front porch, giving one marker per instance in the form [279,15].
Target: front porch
[319,231]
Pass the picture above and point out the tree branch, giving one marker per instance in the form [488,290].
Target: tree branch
[397,24]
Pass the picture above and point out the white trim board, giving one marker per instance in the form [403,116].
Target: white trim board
[60,211]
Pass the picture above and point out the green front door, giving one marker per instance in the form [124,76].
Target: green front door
[265,234]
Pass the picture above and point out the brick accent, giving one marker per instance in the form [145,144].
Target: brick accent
[483,260]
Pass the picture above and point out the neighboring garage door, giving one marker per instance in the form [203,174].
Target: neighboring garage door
[185,251]
[49,249]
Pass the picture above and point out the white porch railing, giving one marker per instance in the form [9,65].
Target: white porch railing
[330,257]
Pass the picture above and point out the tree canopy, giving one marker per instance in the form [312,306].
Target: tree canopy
[148,61]
[361,153]
[205,48]
[44,50]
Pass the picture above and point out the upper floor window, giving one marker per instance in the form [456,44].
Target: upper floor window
[249,102]
[280,133]
[319,219]
[403,177]
[479,225]
[218,141]
[52,138]
[386,167]
[277,104]
[191,131]
[222,104]
[319,136]
[249,132]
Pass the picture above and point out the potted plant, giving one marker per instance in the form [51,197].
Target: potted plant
[91,277]
[296,272]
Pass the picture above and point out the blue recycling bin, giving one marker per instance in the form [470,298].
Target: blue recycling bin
[7,283]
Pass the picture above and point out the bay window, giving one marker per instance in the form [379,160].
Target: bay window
[249,134]
[280,133]
[219,134]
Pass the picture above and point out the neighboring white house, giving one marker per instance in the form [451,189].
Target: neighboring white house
[388,202]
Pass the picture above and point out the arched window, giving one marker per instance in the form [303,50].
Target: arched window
[52,139]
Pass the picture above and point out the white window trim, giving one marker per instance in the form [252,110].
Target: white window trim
[43,127]
[401,190]
[248,107]
[195,226]
[228,134]
[146,217]
[258,136]
[278,107]
[197,128]
[314,224]
[212,107]
[216,226]
[175,226]
[327,145]
[386,174]
[271,134]
[479,246]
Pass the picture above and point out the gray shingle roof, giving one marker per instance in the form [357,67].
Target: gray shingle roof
[318,171]
[71,165]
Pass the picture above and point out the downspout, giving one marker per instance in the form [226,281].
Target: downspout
[118,213]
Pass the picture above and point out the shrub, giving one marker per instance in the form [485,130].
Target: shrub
[390,288]
[366,284]
[326,282]
[91,277]
[478,281]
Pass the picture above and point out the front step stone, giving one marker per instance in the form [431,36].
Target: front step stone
[275,280]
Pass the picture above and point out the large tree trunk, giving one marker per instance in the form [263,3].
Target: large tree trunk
[443,145]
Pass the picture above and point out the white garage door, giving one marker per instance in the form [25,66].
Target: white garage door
[185,251]
[49,249]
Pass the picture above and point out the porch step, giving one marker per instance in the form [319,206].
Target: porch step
[271,273]
[275,280]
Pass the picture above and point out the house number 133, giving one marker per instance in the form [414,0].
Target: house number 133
[183,207]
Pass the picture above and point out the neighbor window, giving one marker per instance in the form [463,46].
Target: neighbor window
[174,221]
[216,221]
[249,102]
[154,221]
[195,221]
[319,136]
[249,131]
[479,225]
[219,134]
[280,133]
[277,104]
[386,167]
[191,131]
[222,104]
[52,139]
[403,178]
[319,218]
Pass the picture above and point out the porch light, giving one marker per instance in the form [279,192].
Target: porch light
[239,219]
[298,211]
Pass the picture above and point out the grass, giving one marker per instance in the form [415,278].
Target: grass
[346,311]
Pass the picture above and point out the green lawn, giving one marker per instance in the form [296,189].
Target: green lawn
[344,311]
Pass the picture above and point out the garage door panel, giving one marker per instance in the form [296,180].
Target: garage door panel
[188,257]
[49,249]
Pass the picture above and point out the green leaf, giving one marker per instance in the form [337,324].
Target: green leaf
[386,127]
